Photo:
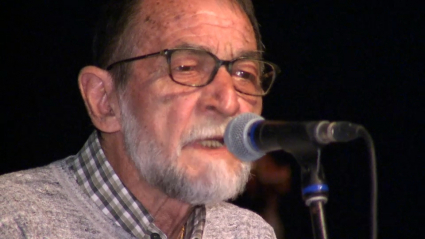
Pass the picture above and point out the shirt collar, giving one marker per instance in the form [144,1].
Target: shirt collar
[99,181]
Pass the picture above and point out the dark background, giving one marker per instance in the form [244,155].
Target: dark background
[360,61]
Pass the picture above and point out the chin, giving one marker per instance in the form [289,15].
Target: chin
[214,181]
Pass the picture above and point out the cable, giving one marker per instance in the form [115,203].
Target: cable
[363,133]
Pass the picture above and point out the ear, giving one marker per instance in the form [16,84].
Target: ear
[100,97]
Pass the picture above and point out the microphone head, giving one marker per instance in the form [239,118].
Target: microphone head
[237,137]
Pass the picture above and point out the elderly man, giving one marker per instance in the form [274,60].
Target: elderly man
[170,75]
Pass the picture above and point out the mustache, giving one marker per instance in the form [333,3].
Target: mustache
[210,129]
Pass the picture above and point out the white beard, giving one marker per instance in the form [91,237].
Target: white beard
[161,169]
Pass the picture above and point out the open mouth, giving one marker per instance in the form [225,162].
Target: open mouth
[212,143]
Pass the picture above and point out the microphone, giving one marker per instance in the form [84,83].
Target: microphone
[249,137]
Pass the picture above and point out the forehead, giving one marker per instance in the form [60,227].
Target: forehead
[214,24]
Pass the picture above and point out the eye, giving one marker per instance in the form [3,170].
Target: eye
[246,72]
[182,68]
[185,63]
[245,75]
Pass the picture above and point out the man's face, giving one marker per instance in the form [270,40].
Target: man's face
[174,133]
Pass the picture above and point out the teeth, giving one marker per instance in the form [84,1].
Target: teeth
[211,143]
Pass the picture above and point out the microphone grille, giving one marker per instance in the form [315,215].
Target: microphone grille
[237,138]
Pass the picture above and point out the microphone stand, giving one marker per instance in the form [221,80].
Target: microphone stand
[314,190]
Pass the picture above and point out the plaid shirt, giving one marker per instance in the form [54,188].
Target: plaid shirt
[97,178]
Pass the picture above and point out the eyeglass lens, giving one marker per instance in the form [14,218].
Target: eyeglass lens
[195,68]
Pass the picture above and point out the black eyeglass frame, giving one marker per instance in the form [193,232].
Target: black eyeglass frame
[218,63]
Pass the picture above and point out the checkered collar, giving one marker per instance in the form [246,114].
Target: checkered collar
[98,180]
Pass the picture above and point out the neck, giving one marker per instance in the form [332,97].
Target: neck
[170,214]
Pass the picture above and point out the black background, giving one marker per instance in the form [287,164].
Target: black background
[360,61]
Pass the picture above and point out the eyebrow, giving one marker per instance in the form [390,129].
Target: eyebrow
[249,54]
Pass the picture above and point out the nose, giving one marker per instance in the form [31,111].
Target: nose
[220,95]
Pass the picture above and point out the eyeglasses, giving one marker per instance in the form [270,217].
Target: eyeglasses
[197,68]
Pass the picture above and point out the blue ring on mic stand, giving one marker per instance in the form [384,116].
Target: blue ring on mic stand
[315,188]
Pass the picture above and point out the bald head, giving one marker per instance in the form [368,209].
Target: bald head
[172,24]
[126,25]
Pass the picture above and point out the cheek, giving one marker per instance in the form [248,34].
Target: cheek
[171,116]
[251,104]
[258,108]
[161,101]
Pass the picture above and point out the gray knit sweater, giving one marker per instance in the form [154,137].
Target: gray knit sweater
[46,202]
